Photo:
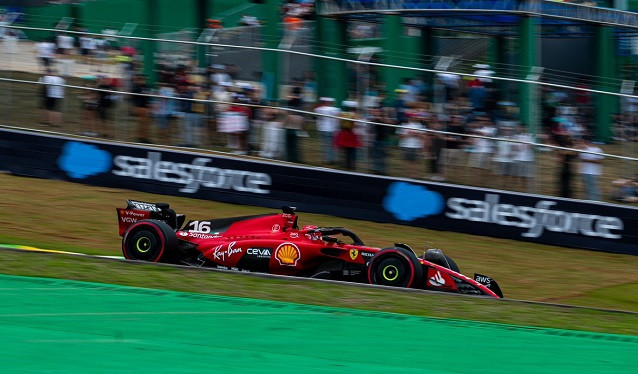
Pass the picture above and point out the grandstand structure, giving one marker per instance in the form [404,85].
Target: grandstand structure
[524,23]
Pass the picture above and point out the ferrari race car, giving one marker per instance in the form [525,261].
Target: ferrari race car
[274,243]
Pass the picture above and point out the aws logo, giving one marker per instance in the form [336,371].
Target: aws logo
[81,160]
[287,254]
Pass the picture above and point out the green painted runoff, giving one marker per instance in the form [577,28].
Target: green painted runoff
[61,326]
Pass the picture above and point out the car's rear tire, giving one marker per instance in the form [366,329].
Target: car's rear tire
[149,240]
[396,267]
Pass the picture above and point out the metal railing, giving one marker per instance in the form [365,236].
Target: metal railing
[21,101]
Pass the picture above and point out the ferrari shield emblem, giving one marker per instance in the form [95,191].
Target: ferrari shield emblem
[353,254]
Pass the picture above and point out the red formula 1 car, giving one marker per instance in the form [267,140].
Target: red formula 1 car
[274,243]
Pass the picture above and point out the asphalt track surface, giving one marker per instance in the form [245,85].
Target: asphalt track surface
[62,326]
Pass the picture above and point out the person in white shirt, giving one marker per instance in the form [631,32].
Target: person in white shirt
[44,51]
[327,128]
[504,157]
[54,94]
[273,135]
[481,149]
[523,157]
[412,142]
[591,168]
[220,76]
[65,49]
[65,44]
[87,46]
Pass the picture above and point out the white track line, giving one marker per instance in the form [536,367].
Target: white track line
[153,312]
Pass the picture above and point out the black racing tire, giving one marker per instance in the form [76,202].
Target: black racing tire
[396,267]
[149,240]
[453,266]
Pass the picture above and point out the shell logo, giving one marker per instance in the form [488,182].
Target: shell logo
[287,254]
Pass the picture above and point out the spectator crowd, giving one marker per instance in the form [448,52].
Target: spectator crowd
[439,126]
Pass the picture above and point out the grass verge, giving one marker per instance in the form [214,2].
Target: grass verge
[315,292]
[74,217]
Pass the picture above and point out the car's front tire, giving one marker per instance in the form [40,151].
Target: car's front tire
[149,240]
[397,267]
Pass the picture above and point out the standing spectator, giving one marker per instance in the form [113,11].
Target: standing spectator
[65,50]
[478,94]
[187,134]
[293,125]
[100,50]
[273,138]
[87,48]
[412,135]
[590,168]
[380,135]
[437,144]
[141,108]
[198,113]
[238,130]
[44,51]
[164,109]
[346,139]
[565,158]
[89,100]
[104,103]
[453,151]
[256,118]
[504,163]
[219,76]
[481,154]
[523,158]
[54,94]
[192,109]
[65,44]
[309,90]
[327,128]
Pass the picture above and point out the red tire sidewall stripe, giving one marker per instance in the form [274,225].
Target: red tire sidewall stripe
[155,228]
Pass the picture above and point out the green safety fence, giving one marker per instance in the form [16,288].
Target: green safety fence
[62,326]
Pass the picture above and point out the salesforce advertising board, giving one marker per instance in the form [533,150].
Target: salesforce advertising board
[540,219]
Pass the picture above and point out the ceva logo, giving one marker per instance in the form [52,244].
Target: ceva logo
[81,160]
[408,202]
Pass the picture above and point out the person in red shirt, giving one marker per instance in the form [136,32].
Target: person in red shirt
[347,140]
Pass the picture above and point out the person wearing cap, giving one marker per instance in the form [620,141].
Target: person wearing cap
[327,128]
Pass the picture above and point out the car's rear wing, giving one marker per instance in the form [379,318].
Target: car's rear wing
[139,210]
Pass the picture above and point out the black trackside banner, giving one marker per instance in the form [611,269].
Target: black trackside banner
[540,219]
